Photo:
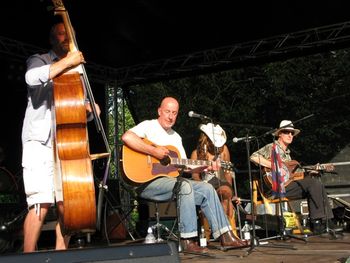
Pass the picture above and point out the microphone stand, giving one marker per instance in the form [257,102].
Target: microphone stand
[253,240]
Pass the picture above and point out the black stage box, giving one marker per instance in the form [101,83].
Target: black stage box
[148,253]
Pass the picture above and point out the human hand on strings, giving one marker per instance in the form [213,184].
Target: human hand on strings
[195,168]
[215,165]
[89,108]
[74,58]
[319,168]
[67,63]
[316,171]
[160,152]
[236,200]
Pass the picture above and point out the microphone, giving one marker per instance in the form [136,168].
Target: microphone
[192,114]
[241,139]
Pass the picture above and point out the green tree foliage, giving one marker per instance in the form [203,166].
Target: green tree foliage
[253,100]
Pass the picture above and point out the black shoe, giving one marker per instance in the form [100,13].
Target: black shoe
[317,227]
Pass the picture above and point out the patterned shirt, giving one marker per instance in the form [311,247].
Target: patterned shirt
[266,152]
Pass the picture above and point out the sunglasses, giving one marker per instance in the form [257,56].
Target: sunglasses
[287,132]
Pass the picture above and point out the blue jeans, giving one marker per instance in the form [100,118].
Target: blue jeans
[191,194]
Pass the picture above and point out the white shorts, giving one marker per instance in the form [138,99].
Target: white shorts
[38,174]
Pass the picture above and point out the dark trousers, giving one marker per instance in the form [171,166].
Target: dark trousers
[314,191]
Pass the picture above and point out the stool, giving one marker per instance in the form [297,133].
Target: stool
[268,202]
[158,226]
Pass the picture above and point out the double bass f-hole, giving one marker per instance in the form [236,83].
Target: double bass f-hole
[71,144]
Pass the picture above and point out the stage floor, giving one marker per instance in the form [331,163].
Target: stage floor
[316,249]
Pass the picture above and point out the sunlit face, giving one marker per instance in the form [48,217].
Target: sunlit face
[59,39]
[286,136]
[168,112]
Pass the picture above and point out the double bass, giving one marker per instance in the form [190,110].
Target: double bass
[73,160]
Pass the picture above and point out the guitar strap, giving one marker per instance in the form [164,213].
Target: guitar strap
[278,188]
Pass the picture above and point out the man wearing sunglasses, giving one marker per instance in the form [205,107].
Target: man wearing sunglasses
[276,158]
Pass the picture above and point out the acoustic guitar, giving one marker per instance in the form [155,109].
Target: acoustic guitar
[292,171]
[141,168]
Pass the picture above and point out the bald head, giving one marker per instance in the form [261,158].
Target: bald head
[168,100]
[167,112]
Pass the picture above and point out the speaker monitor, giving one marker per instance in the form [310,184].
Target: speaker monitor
[148,253]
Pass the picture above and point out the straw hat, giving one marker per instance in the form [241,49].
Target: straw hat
[286,125]
[215,133]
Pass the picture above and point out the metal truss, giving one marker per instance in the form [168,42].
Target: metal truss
[253,52]
[19,51]
[16,49]
[279,47]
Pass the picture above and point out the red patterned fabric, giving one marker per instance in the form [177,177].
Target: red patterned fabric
[277,172]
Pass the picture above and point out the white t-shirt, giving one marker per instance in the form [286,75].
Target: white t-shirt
[151,130]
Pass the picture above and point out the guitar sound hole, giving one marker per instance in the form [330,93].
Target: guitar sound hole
[165,161]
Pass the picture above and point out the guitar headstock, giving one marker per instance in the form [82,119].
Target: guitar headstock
[328,167]
[316,169]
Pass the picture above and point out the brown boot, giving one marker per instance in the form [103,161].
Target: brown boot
[228,239]
[190,245]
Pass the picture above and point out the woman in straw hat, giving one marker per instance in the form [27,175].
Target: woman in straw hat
[211,145]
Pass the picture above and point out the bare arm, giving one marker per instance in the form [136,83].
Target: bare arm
[227,157]
[89,110]
[259,159]
[136,143]
[72,59]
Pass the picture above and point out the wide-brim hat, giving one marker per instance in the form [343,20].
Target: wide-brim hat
[215,133]
[288,126]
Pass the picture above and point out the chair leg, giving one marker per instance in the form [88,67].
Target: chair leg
[233,224]
[159,227]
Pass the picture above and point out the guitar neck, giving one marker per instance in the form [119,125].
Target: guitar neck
[340,163]
[323,166]
[184,162]
[227,166]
